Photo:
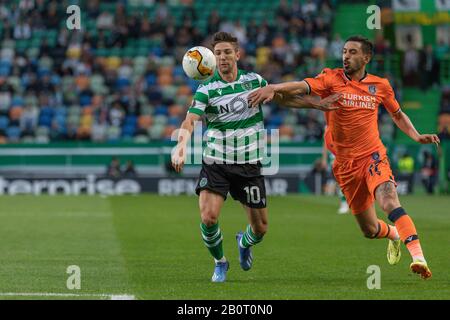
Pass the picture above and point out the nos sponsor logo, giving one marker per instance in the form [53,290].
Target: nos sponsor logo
[90,186]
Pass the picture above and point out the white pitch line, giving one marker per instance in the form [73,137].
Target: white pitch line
[50,294]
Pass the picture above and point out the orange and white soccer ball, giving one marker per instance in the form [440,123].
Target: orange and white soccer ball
[199,63]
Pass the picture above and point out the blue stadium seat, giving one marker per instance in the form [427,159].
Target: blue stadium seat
[45,121]
[61,111]
[121,83]
[130,121]
[178,71]
[192,83]
[174,121]
[4,121]
[60,119]
[276,120]
[47,111]
[85,100]
[56,80]
[161,110]
[13,133]
[45,117]
[128,130]
[17,101]
[150,79]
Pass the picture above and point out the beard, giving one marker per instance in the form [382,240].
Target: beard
[353,67]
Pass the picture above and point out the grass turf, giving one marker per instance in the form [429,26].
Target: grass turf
[150,247]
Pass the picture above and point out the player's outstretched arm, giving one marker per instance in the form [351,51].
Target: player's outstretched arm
[267,93]
[404,123]
[184,134]
[299,102]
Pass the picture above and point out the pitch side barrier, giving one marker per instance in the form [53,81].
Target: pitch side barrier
[80,169]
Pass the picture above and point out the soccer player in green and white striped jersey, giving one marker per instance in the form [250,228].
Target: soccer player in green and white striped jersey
[231,159]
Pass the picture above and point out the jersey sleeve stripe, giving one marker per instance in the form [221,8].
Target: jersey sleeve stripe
[201,97]
[309,87]
[196,111]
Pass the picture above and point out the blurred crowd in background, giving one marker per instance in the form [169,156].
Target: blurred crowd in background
[119,78]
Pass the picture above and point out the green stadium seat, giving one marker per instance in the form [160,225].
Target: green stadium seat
[156,131]
[129,52]
[300,130]
[8,44]
[147,110]
[46,62]
[183,100]
[31,100]
[115,52]
[134,3]
[101,52]
[143,100]
[74,110]
[113,132]
[142,51]
[42,131]
[110,7]
[141,139]
[35,43]
[22,45]
[140,61]
[67,83]
[14,81]
[42,139]
[169,92]
[167,61]
[291,119]
[97,79]
[97,83]
[160,120]
[32,52]
[28,139]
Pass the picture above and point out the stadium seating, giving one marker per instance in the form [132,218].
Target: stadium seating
[141,71]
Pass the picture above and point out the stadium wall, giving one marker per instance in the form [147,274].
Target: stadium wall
[81,168]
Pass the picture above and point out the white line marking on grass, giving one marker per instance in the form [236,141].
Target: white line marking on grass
[50,294]
[122,297]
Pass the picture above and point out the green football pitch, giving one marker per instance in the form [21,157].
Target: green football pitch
[149,247]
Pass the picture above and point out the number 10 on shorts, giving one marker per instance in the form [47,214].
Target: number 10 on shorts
[253,194]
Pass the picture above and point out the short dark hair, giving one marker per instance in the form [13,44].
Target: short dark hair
[224,37]
[366,44]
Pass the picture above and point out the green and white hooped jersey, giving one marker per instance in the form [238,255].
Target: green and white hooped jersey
[233,129]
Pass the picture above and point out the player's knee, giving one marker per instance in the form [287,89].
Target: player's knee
[389,203]
[208,218]
[386,195]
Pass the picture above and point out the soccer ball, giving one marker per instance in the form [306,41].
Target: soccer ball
[199,63]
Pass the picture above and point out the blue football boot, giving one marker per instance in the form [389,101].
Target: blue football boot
[245,254]
[220,271]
